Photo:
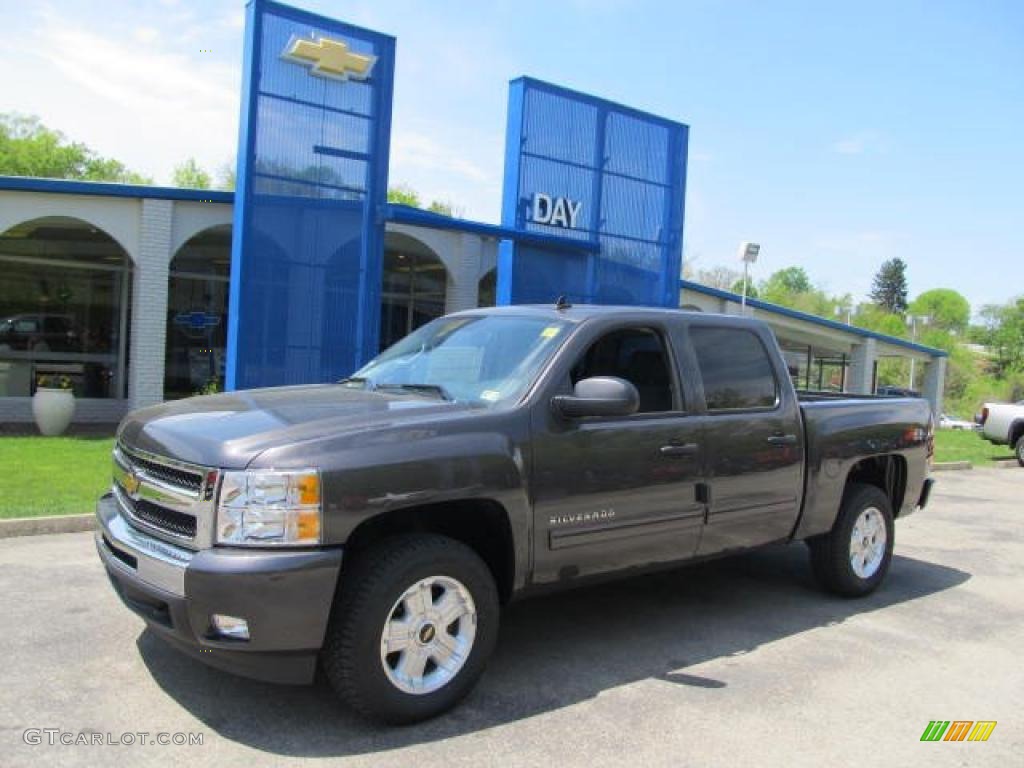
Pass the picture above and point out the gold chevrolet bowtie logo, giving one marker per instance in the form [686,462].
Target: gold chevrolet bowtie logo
[131,483]
[329,58]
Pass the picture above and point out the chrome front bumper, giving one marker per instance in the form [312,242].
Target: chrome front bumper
[129,551]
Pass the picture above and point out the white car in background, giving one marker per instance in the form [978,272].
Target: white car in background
[951,422]
[1003,424]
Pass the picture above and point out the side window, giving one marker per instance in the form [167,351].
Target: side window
[735,368]
[637,355]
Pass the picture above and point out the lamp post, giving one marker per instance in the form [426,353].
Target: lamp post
[913,321]
[845,309]
[748,255]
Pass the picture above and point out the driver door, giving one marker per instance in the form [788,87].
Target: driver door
[617,492]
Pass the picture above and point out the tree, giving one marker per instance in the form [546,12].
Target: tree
[722,278]
[889,290]
[29,148]
[190,176]
[947,309]
[737,287]
[403,194]
[786,282]
[226,177]
[1005,334]
[440,206]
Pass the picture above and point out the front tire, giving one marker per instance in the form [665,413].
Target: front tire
[853,558]
[414,623]
[1020,450]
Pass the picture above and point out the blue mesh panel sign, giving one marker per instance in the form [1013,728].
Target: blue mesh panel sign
[589,169]
[307,247]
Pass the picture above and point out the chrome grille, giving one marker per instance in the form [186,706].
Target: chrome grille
[165,497]
[190,481]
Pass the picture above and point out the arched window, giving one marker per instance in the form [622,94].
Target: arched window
[64,298]
[488,289]
[197,314]
[414,289]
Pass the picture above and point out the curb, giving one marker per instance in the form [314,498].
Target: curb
[35,526]
[944,466]
[1006,464]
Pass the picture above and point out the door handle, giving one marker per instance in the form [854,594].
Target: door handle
[679,449]
[781,439]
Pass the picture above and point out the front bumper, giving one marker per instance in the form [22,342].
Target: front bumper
[285,597]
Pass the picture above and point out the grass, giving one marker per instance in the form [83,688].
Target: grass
[52,475]
[965,445]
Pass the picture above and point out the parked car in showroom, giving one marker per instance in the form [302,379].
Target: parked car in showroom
[374,527]
[1003,424]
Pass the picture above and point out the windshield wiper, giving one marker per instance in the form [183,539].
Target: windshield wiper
[435,389]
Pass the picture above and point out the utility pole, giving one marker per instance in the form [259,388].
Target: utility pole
[912,321]
[748,254]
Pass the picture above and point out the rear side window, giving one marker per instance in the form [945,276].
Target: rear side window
[735,368]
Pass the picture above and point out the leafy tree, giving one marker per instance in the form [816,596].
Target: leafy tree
[947,309]
[889,290]
[737,287]
[440,206]
[785,283]
[191,176]
[403,194]
[1005,334]
[29,148]
[875,318]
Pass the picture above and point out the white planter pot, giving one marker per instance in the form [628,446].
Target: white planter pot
[53,409]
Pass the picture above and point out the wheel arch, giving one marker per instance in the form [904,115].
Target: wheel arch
[481,524]
[887,472]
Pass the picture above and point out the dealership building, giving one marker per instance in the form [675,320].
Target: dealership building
[140,294]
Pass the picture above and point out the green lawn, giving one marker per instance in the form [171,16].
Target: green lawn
[964,445]
[52,475]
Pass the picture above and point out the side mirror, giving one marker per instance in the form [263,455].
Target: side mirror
[598,396]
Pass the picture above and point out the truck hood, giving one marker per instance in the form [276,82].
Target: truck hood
[232,429]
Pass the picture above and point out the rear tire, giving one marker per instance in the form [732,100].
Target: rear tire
[853,558]
[413,625]
[1020,450]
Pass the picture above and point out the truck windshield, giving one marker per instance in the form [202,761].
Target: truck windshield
[487,359]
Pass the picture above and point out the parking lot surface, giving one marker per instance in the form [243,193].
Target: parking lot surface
[735,662]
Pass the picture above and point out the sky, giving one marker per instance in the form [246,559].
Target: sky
[837,135]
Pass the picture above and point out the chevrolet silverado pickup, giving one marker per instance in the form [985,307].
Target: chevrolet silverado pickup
[372,528]
[1003,424]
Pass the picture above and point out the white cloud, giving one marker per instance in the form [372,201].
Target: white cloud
[146,105]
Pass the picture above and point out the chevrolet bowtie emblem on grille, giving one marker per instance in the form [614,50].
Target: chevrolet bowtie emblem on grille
[130,481]
[329,58]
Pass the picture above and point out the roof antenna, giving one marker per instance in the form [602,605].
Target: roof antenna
[562,303]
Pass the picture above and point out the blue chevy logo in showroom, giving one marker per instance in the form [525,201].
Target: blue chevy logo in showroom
[198,321]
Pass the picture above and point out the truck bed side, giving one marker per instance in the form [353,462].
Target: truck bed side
[880,440]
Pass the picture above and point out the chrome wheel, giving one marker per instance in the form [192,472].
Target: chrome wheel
[428,635]
[867,543]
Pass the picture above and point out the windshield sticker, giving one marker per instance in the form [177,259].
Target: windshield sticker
[550,332]
[490,395]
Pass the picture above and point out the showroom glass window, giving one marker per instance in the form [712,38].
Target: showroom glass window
[414,288]
[735,369]
[64,297]
[197,314]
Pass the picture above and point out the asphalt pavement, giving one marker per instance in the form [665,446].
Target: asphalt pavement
[736,662]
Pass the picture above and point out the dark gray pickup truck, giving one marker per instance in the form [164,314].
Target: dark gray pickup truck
[373,528]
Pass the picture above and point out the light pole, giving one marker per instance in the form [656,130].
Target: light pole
[846,309]
[912,321]
[748,255]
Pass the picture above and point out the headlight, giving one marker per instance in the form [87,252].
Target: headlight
[269,508]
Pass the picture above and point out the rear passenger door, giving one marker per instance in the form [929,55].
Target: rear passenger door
[753,443]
